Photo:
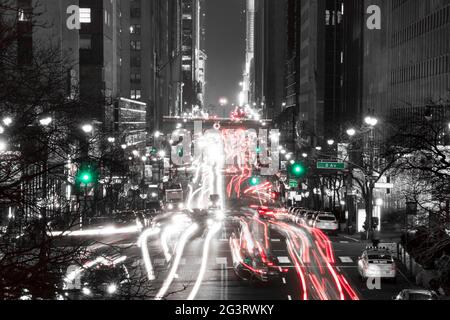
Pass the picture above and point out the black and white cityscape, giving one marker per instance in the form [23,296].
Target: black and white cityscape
[224,150]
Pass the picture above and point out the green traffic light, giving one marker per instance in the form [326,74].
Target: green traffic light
[298,169]
[258,150]
[254,181]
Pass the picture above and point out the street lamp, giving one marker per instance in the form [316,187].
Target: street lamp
[7,121]
[87,128]
[371,121]
[123,146]
[330,142]
[45,121]
[318,148]
[111,139]
[144,159]
[305,155]
[351,132]
[158,134]
[162,154]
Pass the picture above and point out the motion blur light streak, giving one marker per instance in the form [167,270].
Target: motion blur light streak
[96,232]
[179,252]
[299,270]
[143,244]
[216,227]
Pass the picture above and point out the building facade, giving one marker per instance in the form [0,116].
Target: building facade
[193,54]
[402,68]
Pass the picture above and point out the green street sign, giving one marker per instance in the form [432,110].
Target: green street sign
[331,165]
[293,183]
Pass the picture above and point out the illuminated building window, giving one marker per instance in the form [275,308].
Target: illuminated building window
[85,15]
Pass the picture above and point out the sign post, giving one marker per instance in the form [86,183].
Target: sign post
[331,165]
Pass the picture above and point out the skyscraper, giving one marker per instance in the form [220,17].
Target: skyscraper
[249,50]
[402,68]
[193,55]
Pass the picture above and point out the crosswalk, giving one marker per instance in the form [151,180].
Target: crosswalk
[283,260]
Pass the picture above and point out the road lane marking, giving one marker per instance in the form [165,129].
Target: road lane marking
[221,261]
[284,260]
[284,280]
[346,259]
[183,261]
[350,238]
[275,240]
[343,242]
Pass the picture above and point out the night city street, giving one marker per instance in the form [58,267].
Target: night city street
[225,150]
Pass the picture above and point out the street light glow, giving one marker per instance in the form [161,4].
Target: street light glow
[162,154]
[45,121]
[330,142]
[371,121]
[2,130]
[158,134]
[87,128]
[305,155]
[351,132]
[7,121]
[111,140]
[223,101]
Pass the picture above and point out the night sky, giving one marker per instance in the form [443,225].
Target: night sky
[225,47]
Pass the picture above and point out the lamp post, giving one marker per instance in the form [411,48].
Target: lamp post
[371,122]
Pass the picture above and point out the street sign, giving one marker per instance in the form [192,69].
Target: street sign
[293,183]
[384,185]
[331,165]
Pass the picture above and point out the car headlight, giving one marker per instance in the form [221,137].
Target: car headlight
[86,291]
[181,206]
[170,207]
[112,288]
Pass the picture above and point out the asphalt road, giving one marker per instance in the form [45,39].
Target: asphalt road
[198,264]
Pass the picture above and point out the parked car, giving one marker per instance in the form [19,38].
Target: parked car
[414,294]
[326,222]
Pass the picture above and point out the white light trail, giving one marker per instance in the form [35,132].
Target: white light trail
[180,248]
[166,234]
[96,232]
[142,243]
[202,272]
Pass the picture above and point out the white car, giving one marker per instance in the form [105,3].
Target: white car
[377,262]
[412,294]
[326,222]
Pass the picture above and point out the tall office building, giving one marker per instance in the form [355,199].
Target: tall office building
[193,55]
[249,52]
[298,59]
[100,57]
[320,70]
[151,62]
[402,68]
